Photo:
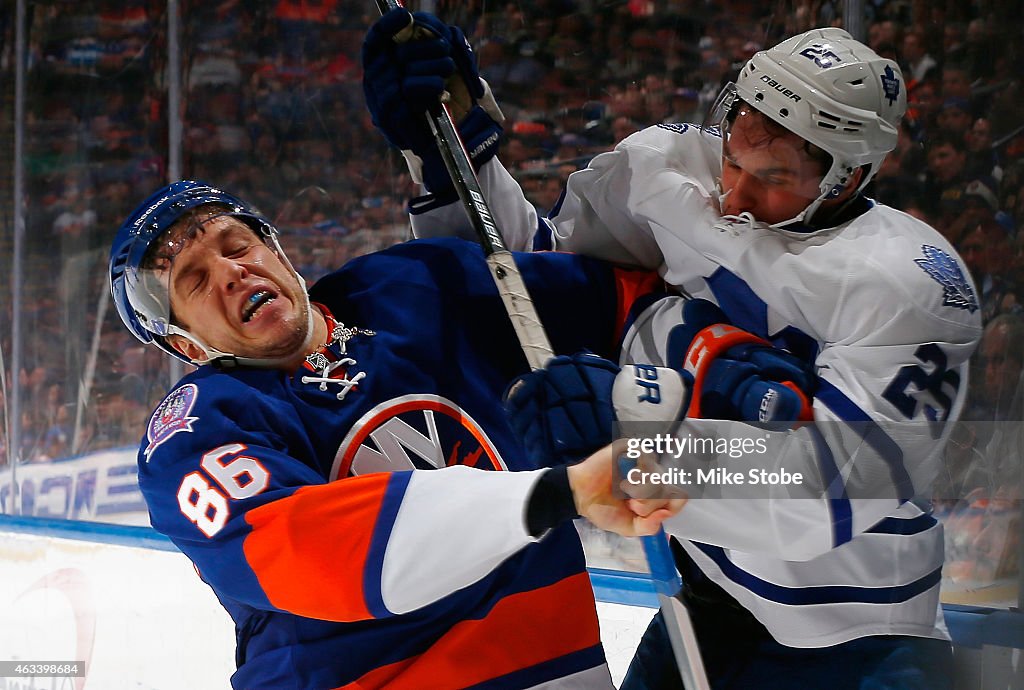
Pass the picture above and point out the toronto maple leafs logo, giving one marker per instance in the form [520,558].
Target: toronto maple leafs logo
[890,85]
[956,289]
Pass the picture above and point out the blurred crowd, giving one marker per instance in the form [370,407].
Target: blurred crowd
[272,109]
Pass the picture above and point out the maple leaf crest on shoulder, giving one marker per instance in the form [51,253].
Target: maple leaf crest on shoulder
[944,269]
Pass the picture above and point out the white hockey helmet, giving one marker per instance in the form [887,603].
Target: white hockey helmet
[832,91]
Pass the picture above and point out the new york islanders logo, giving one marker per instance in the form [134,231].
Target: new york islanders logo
[943,268]
[172,416]
[414,432]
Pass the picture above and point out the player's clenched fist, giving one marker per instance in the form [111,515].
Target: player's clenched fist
[592,488]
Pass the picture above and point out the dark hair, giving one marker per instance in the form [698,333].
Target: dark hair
[944,137]
[189,225]
[773,130]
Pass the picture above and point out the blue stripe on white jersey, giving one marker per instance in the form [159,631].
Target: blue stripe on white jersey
[904,526]
[839,502]
[829,594]
[749,312]
[881,442]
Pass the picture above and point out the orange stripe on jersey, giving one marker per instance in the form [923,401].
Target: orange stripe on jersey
[521,631]
[319,531]
[630,286]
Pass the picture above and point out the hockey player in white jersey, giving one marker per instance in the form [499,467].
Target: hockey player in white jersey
[762,211]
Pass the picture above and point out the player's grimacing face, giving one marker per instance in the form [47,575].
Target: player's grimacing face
[233,292]
[766,173]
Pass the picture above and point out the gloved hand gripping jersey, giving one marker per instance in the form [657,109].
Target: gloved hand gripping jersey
[736,375]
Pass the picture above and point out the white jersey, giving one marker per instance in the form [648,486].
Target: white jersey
[883,306]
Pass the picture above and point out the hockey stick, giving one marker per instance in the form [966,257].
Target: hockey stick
[537,348]
[681,634]
[529,330]
[667,585]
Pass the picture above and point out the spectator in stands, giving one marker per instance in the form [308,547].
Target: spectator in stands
[965,469]
[944,181]
[884,35]
[299,23]
[995,550]
[56,441]
[979,205]
[685,106]
[31,437]
[76,219]
[953,47]
[1011,194]
[986,251]
[623,126]
[956,82]
[524,147]
[954,116]
[982,157]
[917,63]
[543,190]
[1002,352]
[981,502]
[980,51]
[922,108]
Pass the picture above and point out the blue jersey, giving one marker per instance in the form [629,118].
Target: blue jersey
[299,496]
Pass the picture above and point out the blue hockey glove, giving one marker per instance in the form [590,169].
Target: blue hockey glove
[563,412]
[403,78]
[735,374]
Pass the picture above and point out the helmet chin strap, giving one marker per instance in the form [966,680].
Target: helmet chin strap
[802,217]
[722,196]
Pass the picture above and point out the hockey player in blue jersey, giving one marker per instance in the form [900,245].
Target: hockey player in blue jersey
[291,466]
[761,212]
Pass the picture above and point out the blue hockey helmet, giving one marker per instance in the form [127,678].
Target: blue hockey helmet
[142,297]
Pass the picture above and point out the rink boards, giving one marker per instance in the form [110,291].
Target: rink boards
[122,599]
